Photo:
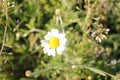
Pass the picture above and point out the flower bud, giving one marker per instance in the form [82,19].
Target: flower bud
[28,73]
[57,11]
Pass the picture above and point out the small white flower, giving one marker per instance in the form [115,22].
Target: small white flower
[74,66]
[107,30]
[113,62]
[54,42]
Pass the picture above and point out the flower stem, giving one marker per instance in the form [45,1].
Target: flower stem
[61,22]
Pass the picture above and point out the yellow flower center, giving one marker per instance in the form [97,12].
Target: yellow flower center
[54,42]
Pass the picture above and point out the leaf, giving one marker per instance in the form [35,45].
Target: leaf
[30,25]
[117,76]
[40,71]
[43,63]
[97,71]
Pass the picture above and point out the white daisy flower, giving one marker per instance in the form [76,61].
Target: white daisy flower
[54,42]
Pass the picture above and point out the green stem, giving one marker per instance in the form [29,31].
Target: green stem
[61,22]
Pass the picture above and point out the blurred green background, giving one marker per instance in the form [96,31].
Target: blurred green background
[88,55]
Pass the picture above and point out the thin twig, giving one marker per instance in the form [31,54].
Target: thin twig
[3,42]
[4,37]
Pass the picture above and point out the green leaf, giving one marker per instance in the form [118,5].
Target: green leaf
[43,63]
[117,76]
[30,25]
[97,71]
